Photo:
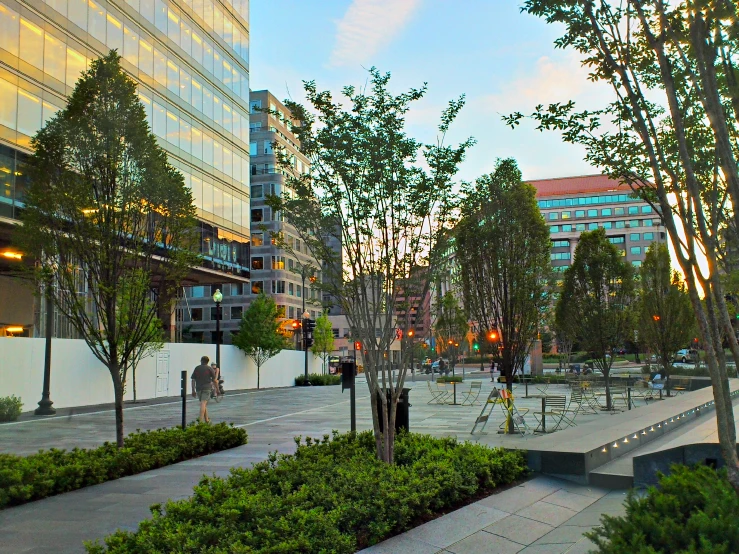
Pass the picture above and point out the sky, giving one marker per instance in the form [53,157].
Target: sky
[502,60]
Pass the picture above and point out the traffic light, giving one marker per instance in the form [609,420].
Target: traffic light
[296,325]
[310,324]
[357,345]
[308,342]
[476,347]
[493,335]
[410,333]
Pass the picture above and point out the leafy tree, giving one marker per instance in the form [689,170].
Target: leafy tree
[599,286]
[565,329]
[323,339]
[669,132]
[104,214]
[259,336]
[371,209]
[502,248]
[450,326]
[666,319]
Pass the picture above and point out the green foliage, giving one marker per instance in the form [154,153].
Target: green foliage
[10,408]
[259,336]
[502,249]
[693,511]
[332,495]
[50,472]
[323,338]
[451,322]
[318,380]
[449,379]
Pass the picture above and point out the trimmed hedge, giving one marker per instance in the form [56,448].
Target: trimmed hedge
[10,408]
[50,472]
[332,495]
[318,380]
[694,510]
[449,379]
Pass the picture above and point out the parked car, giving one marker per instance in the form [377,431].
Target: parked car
[426,365]
[686,355]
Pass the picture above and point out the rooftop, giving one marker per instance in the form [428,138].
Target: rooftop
[582,184]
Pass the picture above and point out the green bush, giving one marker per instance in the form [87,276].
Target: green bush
[694,510]
[331,496]
[10,408]
[50,472]
[318,380]
[449,379]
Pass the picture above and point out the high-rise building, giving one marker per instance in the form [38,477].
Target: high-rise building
[571,205]
[190,60]
[286,273]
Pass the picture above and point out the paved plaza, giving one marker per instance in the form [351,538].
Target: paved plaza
[271,418]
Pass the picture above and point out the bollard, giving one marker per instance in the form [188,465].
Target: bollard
[544,414]
[183,391]
[526,382]
[628,394]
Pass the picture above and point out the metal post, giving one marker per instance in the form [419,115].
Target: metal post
[353,398]
[44,405]
[413,370]
[526,383]
[628,394]
[544,414]
[218,335]
[183,392]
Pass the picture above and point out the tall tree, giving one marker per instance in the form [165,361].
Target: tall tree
[670,133]
[381,195]
[502,248]
[259,334]
[104,213]
[666,319]
[323,339]
[600,286]
[450,325]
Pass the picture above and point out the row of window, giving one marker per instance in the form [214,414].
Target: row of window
[235,312]
[562,268]
[604,212]
[212,199]
[634,237]
[568,228]
[108,29]
[560,243]
[559,256]
[22,111]
[584,201]
[278,262]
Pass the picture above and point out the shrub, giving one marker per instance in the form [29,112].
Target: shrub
[694,510]
[332,495]
[10,408]
[318,380]
[449,379]
[50,472]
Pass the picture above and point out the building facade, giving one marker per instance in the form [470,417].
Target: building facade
[190,60]
[571,205]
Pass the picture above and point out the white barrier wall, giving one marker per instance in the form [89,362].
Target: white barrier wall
[79,379]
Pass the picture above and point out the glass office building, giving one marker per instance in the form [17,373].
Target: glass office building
[191,61]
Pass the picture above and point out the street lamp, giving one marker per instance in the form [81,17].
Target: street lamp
[45,404]
[306,320]
[218,298]
[410,337]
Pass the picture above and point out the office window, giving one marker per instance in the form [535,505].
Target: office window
[553,216]
[606,224]
[634,236]
[55,57]
[257,191]
[32,43]
[566,215]
[290,264]
[278,287]
[560,256]
[592,213]
[633,210]
[560,243]
[606,212]
[237,311]
[257,262]
[579,213]
[566,228]
[636,263]
[648,236]
[297,290]
[278,262]
[580,227]
[252,148]
[29,113]
[646,209]
[620,224]
[257,239]
[636,250]
[554,229]
[257,287]
[257,214]
[618,211]
[634,223]
[290,289]
[196,314]
[268,147]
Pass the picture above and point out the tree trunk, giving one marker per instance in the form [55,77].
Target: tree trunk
[134,384]
[118,395]
[606,378]
[258,371]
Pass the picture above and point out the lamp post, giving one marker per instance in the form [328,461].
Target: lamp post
[45,404]
[306,318]
[411,333]
[218,298]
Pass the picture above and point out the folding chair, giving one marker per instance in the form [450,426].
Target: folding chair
[438,396]
[470,397]
[508,406]
[542,388]
[579,404]
[556,407]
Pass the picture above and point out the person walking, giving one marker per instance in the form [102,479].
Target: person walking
[492,371]
[217,390]
[203,381]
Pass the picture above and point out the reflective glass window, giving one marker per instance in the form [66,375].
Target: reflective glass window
[32,43]
[147,10]
[579,213]
[173,77]
[208,149]
[160,121]
[607,225]
[58,5]
[185,87]
[186,37]
[634,223]
[217,65]
[252,148]
[8,104]
[236,115]
[115,33]
[146,57]
[227,161]
[208,103]
[131,46]
[634,236]
[185,136]
[218,20]
[77,13]
[55,58]
[618,211]
[646,209]
[148,109]
[217,155]
[227,118]
[173,26]
[228,206]
[49,111]
[96,21]
[197,192]
[620,224]
[633,210]
[237,211]
[9,30]
[208,197]
[208,55]
[173,128]
[208,12]
[580,227]
[197,95]
[218,201]
[606,212]
[197,143]
[160,16]
[76,65]
[160,67]
[197,48]
[218,110]
[592,226]
[648,236]
[29,113]
[635,249]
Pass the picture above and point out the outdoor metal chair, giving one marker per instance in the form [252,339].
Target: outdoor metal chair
[469,398]
[542,388]
[556,409]
[579,404]
[438,396]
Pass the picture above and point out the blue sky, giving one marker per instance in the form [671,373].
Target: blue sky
[503,61]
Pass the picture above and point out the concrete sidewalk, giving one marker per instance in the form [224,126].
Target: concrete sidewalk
[543,515]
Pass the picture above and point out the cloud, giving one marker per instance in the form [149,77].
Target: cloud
[367,26]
